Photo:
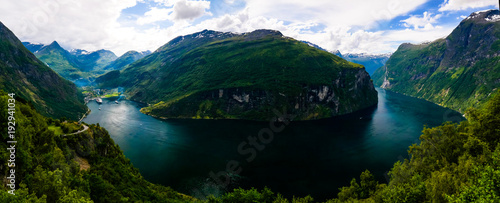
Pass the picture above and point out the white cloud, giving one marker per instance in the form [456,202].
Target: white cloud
[333,38]
[425,22]
[417,36]
[180,10]
[456,5]
[168,3]
[83,24]
[93,24]
[155,15]
[333,12]
[190,10]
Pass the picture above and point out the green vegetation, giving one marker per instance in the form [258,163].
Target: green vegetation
[253,195]
[457,72]
[114,94]
[23,74]
[80,66]
[243,76]
[61,61]
[86,167]
[56,129]
[94,62]
[125,60]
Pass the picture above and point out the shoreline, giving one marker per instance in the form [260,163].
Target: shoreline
[85,115]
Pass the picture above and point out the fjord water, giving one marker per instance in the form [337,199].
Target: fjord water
[307,158]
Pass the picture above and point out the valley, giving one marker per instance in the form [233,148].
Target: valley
[306,152]
[232,105]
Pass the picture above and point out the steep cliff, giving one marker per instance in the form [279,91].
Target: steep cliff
[458,71]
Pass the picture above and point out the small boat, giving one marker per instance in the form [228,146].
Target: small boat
[98,100]
[116,102]
[99,108]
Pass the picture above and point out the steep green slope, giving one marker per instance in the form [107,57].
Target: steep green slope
[61,61]
[244,76]
[458,72]
[23,74]
[126,59]
[85,167]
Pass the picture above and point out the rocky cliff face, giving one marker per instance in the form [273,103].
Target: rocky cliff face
[312,102]
[458,72]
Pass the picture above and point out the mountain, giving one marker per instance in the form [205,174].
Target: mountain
[314,45]
[78,66]
[33,47]
[126,59]
[30,79]
[244,76]
[60,61]
[94,61]
[337,53]
[371,61]
[458,71]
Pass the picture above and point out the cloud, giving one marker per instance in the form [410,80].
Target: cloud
[82,24]
[332,24]
[417,36]
[190,10]
[155,15]
[332,38]
[425,22]
[179,10]
[333,12]
[457,5]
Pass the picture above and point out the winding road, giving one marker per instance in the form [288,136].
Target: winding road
[85,128]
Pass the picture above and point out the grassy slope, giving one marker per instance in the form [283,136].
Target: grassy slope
[60,61]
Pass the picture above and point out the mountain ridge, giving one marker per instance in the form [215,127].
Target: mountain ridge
[126,59]
[81,66]
[213,74]
[459,71]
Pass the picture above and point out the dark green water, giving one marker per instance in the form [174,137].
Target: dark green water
[311,157]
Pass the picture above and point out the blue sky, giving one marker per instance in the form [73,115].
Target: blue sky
[355,26]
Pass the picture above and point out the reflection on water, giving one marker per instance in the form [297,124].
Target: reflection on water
[310,157]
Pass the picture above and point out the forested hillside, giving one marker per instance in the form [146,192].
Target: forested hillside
[53,167]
